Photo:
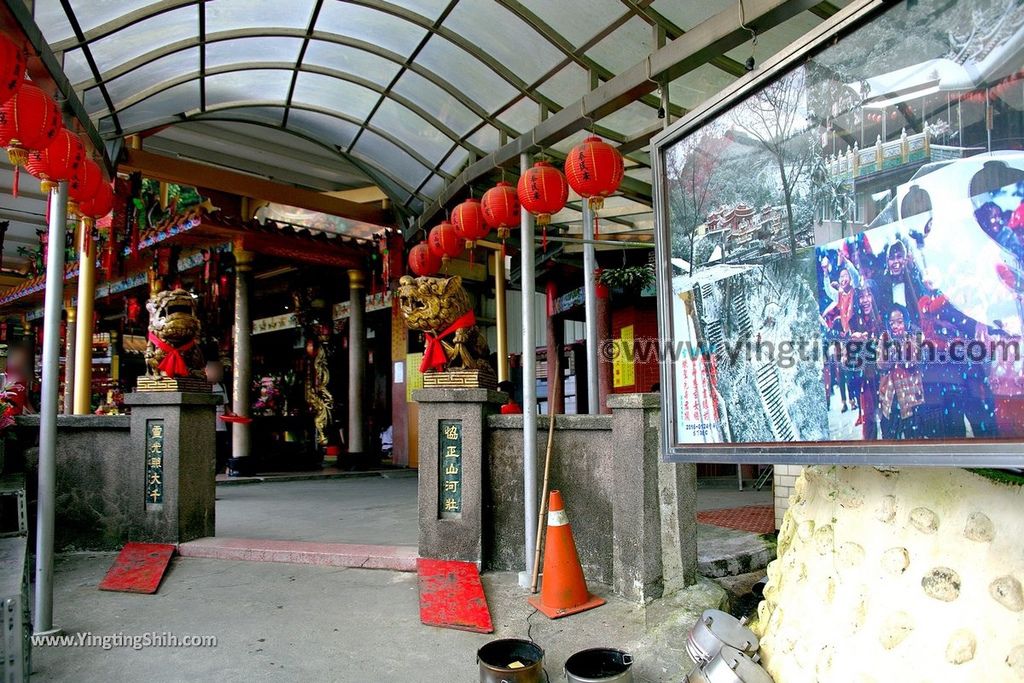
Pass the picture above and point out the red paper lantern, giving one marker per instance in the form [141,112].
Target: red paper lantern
[542,191]
[445,242]
[59,161]
[84,185]
[423,261]
[12,68]
[468,219]
[28,120]
[594,170]
[100,204]
[500,206]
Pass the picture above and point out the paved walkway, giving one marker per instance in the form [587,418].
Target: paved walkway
[375,509]
[276,622]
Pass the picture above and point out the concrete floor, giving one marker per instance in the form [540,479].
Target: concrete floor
[277,622]
[720,498]
[378,510]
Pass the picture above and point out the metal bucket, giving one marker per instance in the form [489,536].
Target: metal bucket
[496,656]
[730,666]
[599,665]
[717,629]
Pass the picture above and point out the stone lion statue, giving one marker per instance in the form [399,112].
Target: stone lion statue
[440,308]
[173,349]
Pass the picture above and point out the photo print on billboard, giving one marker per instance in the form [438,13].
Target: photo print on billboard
[841,247]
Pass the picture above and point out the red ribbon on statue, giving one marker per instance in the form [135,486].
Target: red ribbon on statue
[433,354]
[173,365]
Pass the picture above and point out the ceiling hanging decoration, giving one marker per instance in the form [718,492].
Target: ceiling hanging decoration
[83,186]
[594,170]
[469,222]
[12,67]
[423,261]
[500,206]
[59,161]
[542,192]
[445,242]
[29,120]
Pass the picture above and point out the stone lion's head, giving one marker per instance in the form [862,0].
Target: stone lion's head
[431,303]
[172,316]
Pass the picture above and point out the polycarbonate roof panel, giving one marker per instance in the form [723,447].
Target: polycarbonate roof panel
[392,157]
[625,46]
[333,93]
[231,15]
[436,102]
[526,53]
[264,85]
[330,130]
[145,36]
[371,26]
[575,26]
[244,50]
[476,80]
[351,60]
[154,73]
[411,129]
[412,91]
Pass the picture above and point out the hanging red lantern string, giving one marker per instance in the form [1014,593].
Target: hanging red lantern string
[423,261]
[59,161]
[594,170]
[28,120]
[468,219]
[500,206]
[542,191]
[83,186]
[12,68]
[445,242]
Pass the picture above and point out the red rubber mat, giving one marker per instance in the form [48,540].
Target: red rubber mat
[451,596]
[138,568]
[758,519]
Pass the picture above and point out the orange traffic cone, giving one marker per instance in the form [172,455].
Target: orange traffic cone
[564,590]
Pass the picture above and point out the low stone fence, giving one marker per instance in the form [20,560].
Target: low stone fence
[93,457]
[632,516]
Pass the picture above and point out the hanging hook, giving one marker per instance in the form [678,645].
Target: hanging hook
[660,87]
[749,64]
[585,116]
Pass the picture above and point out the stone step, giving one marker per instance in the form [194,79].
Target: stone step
[357,556]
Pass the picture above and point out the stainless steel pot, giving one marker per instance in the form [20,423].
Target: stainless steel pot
[716,629]
[599,665]
[730,666]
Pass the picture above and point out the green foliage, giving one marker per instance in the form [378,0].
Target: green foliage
[628,278]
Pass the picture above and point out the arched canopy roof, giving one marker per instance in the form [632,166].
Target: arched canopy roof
[400,93]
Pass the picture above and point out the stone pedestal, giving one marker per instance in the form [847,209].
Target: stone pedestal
[172,464]
[451,470]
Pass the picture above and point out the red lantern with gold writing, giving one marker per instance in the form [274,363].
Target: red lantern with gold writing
[84,185]
[468,219]
[500,206]
[59,161]
[12,68]
[28,120]
[423,261]
[445,242]
[594,170]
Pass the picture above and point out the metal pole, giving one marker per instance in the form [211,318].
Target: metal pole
[590,311]
[529,385]
[356,360]
[46,499]
[69,359]
[83,334]
[501,316]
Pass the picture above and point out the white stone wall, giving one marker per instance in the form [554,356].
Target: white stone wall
[782,484]
[911,576]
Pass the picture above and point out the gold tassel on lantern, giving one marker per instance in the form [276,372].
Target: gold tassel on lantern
[17,154]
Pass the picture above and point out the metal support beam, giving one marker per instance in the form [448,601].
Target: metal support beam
[709,39]
[529,386]
[500,315]
[47,497]
[356,361]
[69,358]
[242,360]
[590,310]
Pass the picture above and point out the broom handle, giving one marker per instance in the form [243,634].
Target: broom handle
[552,390]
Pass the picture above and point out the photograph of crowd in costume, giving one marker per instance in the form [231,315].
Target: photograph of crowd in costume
[913,350]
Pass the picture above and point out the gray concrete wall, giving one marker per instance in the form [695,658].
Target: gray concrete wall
[93,461]
[581,467]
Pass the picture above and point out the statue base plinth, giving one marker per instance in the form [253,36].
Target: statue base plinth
[183,384]
[465,379]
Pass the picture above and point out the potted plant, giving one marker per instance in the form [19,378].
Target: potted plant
[627,279]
